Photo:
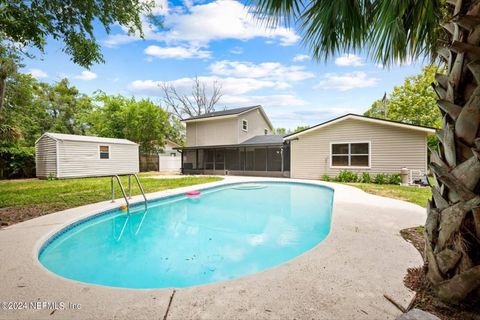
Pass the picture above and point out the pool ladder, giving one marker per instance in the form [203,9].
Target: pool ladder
[129,189]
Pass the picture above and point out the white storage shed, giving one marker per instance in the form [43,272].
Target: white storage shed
[72,156]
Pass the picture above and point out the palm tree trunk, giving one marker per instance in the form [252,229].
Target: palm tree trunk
[452,228]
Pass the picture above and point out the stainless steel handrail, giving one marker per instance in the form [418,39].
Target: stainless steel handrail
[121,188]
[129,189]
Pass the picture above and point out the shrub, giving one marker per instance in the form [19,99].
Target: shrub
[347,176]
[17,162]
[380,178]
[366,178]
[325,178]
[394,179]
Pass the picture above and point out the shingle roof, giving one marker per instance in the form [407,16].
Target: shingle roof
[227,112]
[74,137]
[264,139]
[365,118]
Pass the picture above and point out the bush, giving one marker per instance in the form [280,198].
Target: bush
[380,178]
[17,162]
[325,178]
[366,178]
[347,176]
[394,179]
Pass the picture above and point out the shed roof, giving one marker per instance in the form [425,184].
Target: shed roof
[427,130]
[74,137]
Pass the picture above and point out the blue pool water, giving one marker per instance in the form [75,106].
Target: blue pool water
[225,233]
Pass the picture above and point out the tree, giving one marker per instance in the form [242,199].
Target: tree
[30,23]
[280,131]
[195,104]
[414,102]
[140,121]
[9,63]
[391,32]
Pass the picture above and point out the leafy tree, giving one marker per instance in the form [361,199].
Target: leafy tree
[30,23]
[280,131]
[414,102]
[300,128]
[391,32]
[141,121]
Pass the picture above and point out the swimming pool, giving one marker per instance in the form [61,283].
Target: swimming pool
[225,233]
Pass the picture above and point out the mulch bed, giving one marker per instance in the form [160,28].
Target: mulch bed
[12,215]
[415,280]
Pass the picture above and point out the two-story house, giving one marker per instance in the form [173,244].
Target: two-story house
[236,141]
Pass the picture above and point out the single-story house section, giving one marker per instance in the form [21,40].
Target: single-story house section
[73,156]
[358,143]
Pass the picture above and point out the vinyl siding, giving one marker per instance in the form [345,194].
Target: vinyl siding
[391,149]
[46,157]
[212,132]
[256,125]
[81,159]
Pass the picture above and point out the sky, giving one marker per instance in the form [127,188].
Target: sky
[221,41]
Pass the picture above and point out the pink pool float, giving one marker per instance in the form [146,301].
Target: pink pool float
[193,194]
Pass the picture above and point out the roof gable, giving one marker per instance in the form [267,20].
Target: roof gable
[74,137]
[427,130]
[230,113]
[222,113]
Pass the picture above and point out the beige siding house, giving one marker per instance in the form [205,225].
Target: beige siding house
[227,127]
[239,142]
[359,144]
[72,156]
[235,141]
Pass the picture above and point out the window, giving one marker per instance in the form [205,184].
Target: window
[104,152]
[244,125]
[265,131]
[173,154]
[356,154]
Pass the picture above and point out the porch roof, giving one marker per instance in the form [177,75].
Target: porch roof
[257,141]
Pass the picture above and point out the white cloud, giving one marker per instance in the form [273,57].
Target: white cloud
[160,7]
[281,100]
[301,57]
[349,60]
[38,73]
[230,85]
[236,50]
[346,81]
[176,52]
[86,75]
[199,24]
[266,70]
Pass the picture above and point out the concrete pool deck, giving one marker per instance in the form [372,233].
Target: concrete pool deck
[344,277]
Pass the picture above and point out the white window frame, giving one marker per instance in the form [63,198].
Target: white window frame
[246,124]
[109,152]
[350,154]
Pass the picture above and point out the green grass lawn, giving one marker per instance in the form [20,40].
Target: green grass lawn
[417,195]
[21,200]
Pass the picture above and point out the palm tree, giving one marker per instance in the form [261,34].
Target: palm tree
[392,31]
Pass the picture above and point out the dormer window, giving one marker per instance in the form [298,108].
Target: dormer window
[244,125]
[265,131]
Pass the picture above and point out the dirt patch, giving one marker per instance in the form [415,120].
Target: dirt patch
[416,280]
[12,215]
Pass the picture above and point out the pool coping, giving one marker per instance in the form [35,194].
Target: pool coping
[343,196]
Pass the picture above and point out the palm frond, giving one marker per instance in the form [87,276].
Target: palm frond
[390,31]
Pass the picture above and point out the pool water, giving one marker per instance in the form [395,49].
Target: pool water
[225,233]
